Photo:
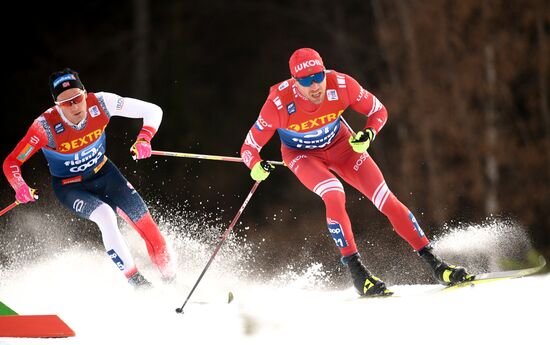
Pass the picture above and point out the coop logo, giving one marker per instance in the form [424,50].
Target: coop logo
[306,64]
[85,159]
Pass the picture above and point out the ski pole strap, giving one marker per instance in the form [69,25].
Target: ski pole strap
[207,157]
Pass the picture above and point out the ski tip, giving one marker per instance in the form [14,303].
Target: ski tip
[230,297]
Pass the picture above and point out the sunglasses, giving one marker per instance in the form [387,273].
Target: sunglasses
[307,81]
[76,99]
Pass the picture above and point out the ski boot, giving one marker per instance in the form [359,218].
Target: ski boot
[138,281]
[444,273]
[365,283]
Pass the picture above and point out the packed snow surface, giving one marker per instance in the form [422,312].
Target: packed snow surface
[80,285]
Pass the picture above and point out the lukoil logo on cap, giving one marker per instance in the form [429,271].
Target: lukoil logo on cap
[307,64]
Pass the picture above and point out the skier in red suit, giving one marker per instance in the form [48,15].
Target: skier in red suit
[71,135]
[305,110]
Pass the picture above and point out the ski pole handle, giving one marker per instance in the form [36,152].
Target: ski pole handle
[207,157]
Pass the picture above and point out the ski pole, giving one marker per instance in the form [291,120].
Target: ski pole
[34,194]
[347,125]
[224,237]
[8,208]
[209,157]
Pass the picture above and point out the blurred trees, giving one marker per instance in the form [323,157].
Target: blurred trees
[465,84]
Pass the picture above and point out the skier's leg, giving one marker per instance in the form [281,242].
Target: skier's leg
[122,196]
[314,174]
[87,205]
[362,173]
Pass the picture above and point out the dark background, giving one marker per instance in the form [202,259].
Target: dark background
[465,84]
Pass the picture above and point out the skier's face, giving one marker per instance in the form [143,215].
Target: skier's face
[73,103]
[315,92]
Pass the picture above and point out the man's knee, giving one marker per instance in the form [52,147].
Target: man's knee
[103,216]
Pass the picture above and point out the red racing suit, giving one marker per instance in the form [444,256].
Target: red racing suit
[315,146]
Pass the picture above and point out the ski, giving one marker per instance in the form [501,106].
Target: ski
[496,276]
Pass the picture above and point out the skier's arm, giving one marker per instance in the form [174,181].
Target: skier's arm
[134,108]
[258,135]
[367,104]
[34,140]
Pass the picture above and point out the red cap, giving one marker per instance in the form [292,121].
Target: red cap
[304,62]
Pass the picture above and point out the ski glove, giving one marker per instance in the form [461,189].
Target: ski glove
[261,170]
[24,194]
[361,142]
[141,149]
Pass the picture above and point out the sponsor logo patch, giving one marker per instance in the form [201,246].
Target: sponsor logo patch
[291,108]
[261,124]
[247,157]
[58,128]
[80,142]
[283,85]
[78,205]
[337,233]
[314,123]
[360,161]
[119,103]
[295,160]
[116,259]
[307,64]
[332,95]
[71,180]
[94,111]
[64,78]
[24,154]
[416,226]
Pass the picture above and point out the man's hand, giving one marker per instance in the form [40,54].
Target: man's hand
[261,170]
[141,149]
[24,194]
[361,142]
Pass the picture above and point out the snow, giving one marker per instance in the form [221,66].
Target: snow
[81,286]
